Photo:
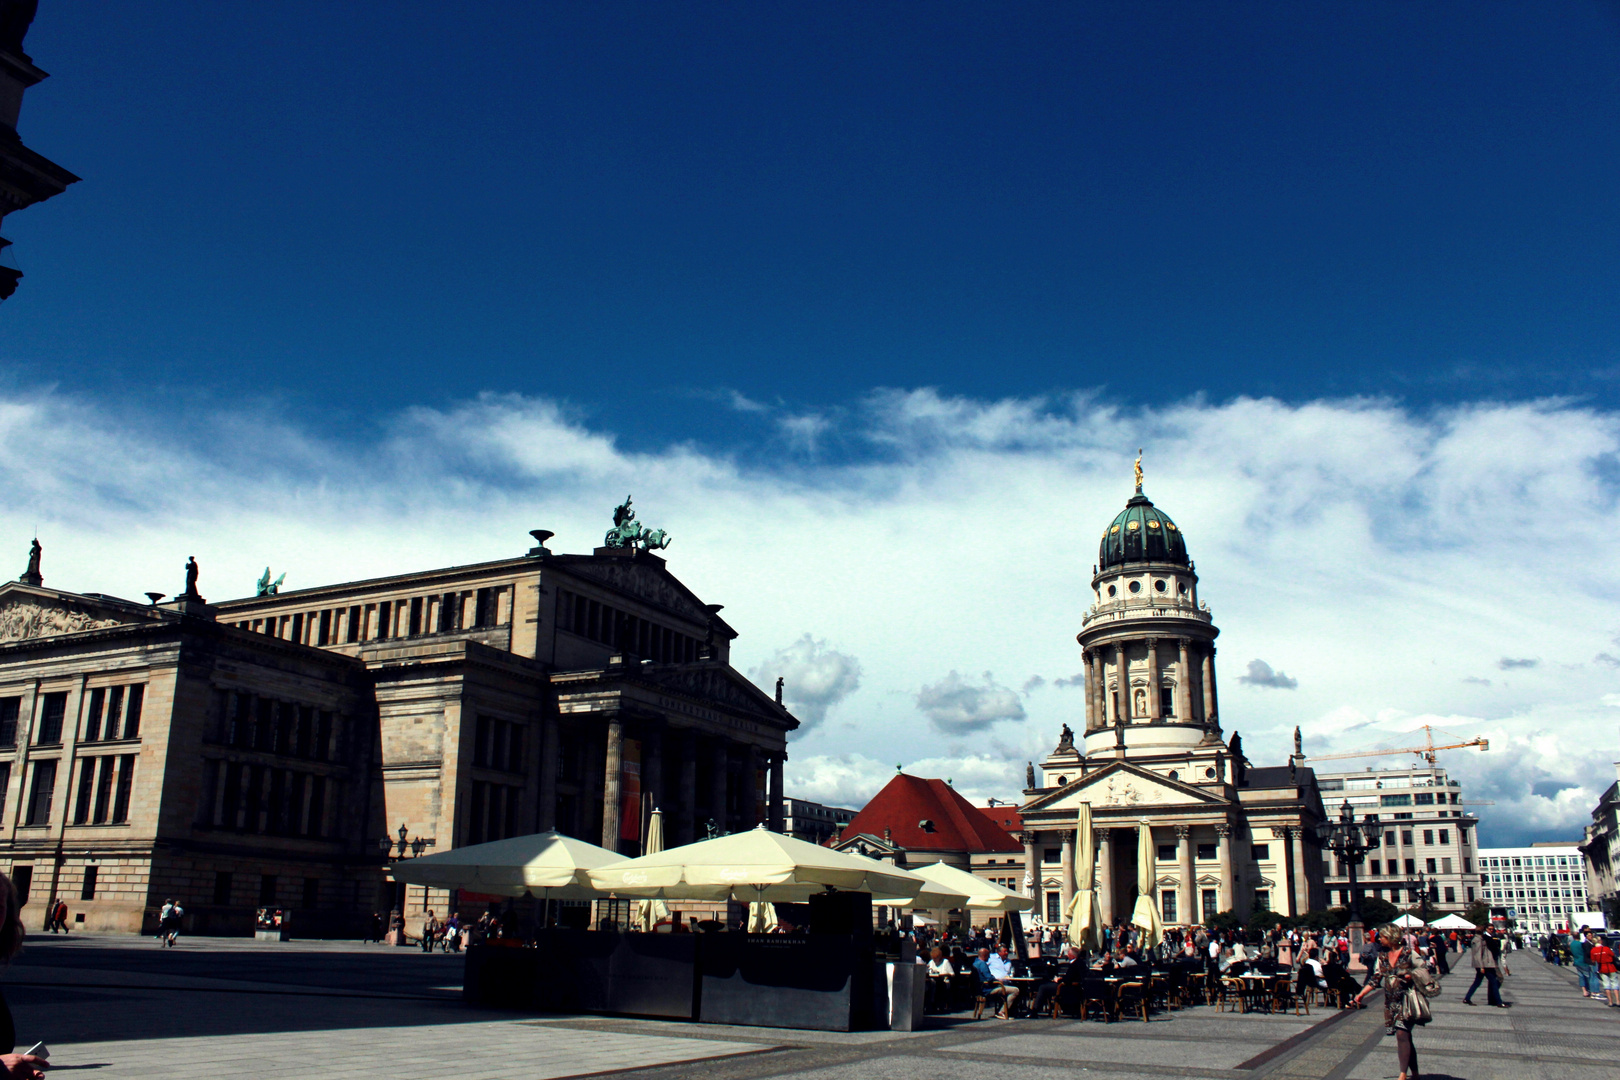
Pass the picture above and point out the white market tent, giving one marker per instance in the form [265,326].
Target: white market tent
[1452,922]
[1408,921]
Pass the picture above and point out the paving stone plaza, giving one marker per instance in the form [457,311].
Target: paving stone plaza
[121,1007]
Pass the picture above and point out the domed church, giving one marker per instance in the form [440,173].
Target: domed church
[1228,835]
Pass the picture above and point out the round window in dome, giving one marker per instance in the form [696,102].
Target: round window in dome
[1113,590]
[1136,586]
[1115,529]
[1184,589]
[1170,525]
[1153,524]
[1159,585]
[1132,526]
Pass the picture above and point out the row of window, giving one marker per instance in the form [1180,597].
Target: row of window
[113,712]
[1420,798]
[1378,867]
[251,722]
[248,798]
[470,609]
[1542,877]
[1508,862]
[498,744]
[492,812]
[1413,896]
[106,782]
[621,630]
[1531,894]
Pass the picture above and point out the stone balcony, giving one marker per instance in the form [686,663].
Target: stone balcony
[1144,608]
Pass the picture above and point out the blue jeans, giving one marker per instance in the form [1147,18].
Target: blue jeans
[1587,974]
[1493,986]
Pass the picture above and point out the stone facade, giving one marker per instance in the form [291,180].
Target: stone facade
[280,738]
[1600,853]
[1227,836]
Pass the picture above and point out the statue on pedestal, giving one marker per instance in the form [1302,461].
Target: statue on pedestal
[31,576]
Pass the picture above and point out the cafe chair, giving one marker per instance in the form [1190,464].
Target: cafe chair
[1096,992]
[1233,998]
[1291,995]
[1136,995]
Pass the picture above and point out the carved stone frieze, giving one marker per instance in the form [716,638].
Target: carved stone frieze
[710,684]
[22,619]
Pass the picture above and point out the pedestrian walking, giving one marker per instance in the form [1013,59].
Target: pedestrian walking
[1485,954]
[1603,959]
[1406,984]
[171,924]
[1580,946]
[12,1065]
[164,914]
[61,915]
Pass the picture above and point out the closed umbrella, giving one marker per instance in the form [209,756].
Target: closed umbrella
[649,913]
[1146,914]
[756,865]
[1085,911]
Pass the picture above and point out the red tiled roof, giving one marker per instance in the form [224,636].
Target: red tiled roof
[958,825]
[1005,817]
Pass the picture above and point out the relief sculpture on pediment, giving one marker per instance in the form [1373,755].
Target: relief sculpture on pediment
[22,619]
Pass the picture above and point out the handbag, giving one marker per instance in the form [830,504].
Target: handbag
[1416,1008]
[1426,983]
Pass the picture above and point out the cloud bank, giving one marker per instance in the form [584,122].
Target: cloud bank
[1260,674]
[1376,555]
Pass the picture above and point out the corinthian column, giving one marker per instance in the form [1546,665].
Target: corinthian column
[1091,689]
[1285,866]
[1189,883]
[1183,683]
[1105,874]
[1032,868]
[1122,679]
[610,784]
[1068,868]
[1224,833]
[1302,883]
[1209,686]
[1154,702]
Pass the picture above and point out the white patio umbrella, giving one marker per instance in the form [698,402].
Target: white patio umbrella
[1085,911]
[756,865]
[1452,922]
[981,895]
[1406,920]
[931,897]
[1146,914]
[649,913]
[549,865]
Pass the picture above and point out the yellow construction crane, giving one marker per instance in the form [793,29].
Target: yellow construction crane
[1426,751]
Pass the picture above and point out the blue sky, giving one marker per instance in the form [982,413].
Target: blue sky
[870,305]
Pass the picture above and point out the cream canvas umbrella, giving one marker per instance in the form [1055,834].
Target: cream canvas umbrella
[1085,911]
[756,865]
[1146,914]
[981,895]
[649,913]
[549,865]
[932,897]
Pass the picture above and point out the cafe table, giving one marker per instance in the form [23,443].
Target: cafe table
[1026,989]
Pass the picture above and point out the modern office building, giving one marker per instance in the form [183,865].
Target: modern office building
[1428,842]
[1541,887]
[813,821]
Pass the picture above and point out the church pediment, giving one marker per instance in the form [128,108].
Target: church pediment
[1120,785]
[646,582]
[27,613]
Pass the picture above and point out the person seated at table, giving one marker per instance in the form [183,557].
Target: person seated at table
[991,988]
[1071,971]
[937,991]
[1003,968]
[1314,976]
[1338,979]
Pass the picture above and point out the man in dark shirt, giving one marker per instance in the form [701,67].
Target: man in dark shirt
[1071,972]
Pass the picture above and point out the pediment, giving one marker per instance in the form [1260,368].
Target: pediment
[718,684]
[1209,879]
[1121,786]
[647,582]
[30,612]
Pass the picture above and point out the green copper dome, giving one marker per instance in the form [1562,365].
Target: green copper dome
[1141,533]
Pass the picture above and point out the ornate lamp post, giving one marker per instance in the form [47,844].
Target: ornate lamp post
[405,843]
[1350,840]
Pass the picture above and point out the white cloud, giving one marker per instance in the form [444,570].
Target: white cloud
[1260,674]
[1375,555]
[815,678]
[852,779]
[957,706]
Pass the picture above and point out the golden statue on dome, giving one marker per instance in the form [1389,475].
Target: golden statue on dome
[1139,470]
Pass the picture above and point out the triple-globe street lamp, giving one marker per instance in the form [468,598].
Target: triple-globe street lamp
[1350,840]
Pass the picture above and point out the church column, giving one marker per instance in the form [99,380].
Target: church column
[1068,868]
[1189,883]
[1214,704]
[1183,683]
[1105,874]
[1032,868]
[1302,882]
[1122,673]
[719,788]
[778,804]
[1154,701]
[1283,894]
[610,783]
[1091,689]
[1209,685]
[686,827]
[1099,687]
[1223,833]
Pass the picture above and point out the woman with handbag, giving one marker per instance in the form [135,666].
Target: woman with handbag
[1407,985]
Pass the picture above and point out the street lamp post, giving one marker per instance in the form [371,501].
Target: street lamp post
[405,843]
[1350,840]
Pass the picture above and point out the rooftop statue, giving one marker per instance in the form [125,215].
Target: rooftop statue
[1139,470]
[627,532]
[1066,740]
[265,587]
[31,576]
